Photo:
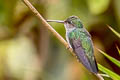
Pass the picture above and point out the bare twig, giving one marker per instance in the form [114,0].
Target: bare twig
[99,76]
[49,27]
[60,38]
[105,75]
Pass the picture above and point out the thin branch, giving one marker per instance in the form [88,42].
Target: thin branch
[49,27]
[105,75]
[99,76]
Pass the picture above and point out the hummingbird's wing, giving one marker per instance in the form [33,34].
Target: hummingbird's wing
[83,48]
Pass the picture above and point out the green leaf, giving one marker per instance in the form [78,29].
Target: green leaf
[115,61]
[118,49]
[113,75]
[98,6]
[115,32]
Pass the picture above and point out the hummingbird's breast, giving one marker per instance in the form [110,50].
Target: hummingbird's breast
[67,38]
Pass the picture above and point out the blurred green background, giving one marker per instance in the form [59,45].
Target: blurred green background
[28,51]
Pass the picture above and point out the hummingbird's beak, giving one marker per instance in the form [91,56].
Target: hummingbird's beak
[58,21]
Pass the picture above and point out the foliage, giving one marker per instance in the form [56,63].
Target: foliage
[115,61]
[113,75]
[115,32]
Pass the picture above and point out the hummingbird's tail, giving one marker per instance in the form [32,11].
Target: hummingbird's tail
[88,61]
[85,61]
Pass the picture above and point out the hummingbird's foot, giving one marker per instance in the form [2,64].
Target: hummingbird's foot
[69,48]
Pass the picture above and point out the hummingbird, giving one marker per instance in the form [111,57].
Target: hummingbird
[80,41]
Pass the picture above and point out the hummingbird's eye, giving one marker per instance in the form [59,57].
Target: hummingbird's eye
[70,22]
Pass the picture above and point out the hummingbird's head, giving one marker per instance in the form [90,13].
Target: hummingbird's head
[73,21]
[70,23]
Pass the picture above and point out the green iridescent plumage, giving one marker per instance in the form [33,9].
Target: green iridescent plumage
[80,40]
[83,39]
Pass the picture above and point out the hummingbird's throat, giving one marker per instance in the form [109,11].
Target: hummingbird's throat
[69,27]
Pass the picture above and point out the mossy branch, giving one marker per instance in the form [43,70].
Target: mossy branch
[50,28]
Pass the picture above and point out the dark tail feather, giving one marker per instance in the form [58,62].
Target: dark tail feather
[94,67]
